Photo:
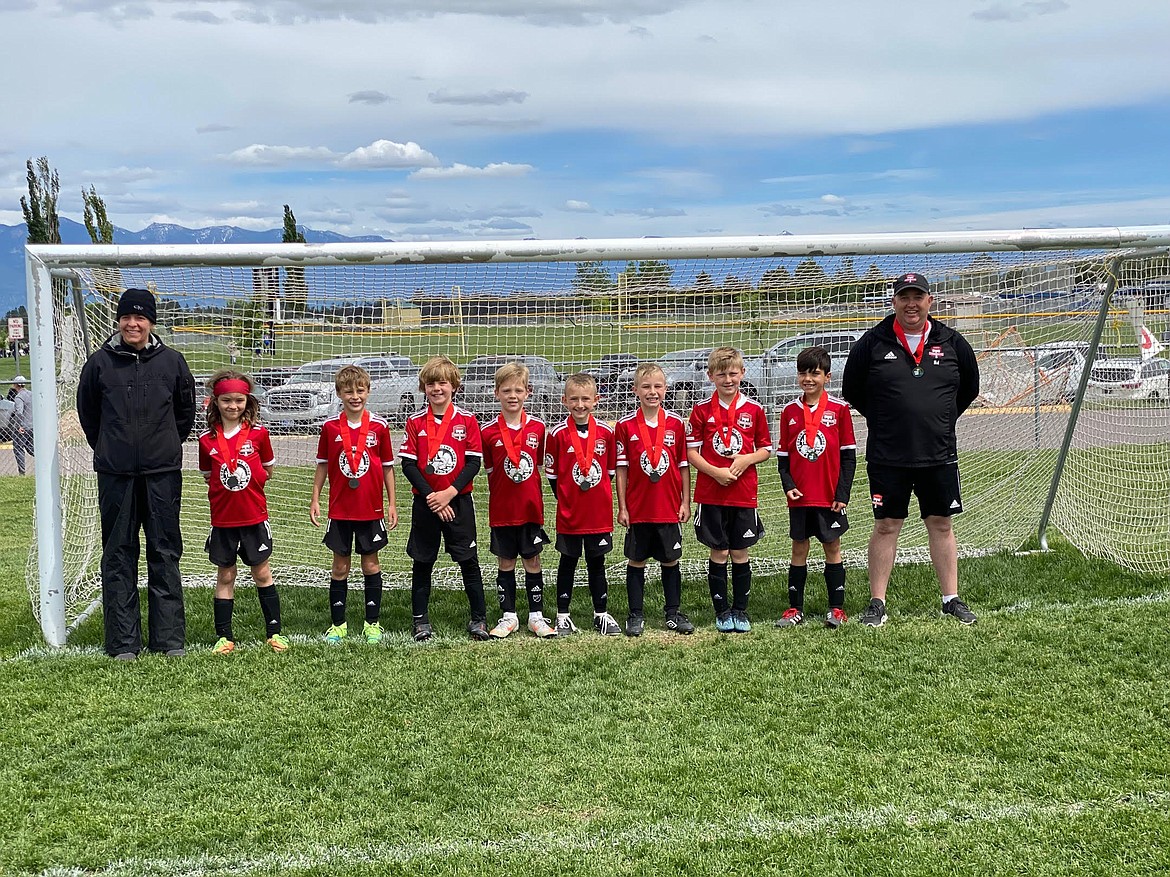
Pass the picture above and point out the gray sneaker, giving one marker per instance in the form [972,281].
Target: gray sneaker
[959,611]
[565,626]
[874,614]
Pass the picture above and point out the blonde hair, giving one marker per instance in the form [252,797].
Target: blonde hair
[512,371]
[351,377]
[439,368]
[645,369]
[251,409]
[724,358]
[583,381]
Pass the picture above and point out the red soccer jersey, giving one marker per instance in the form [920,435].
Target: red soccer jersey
[364,502]
[652,502]
[462,441]
[816,469]
[747,433]
[581,511]
[515,494]
[237,498]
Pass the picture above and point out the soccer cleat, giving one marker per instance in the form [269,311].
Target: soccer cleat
[505,628]
[223,646]
[835,617]
[874,614]
[724,623]
[565,626]
[679,623]
[177,653]
[790,618]
[477,629]
[421,630]
[279,643]
[336,633]
[539,625]
[740,620]
[126,656]
[606,625]
[959,611]
[372,631]
[635,624]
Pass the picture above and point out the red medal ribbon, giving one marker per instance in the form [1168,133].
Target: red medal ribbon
[915,355]
[812,420]
[441,435]
[228,450]
[584,455]
[506,436]
[354,450]
[653,449]
[723,421]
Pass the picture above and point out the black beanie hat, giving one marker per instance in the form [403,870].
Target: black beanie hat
[138,301]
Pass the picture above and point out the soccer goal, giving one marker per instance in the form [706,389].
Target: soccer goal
[1069,433]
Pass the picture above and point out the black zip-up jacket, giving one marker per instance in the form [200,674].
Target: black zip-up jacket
[136,407]
[911,420]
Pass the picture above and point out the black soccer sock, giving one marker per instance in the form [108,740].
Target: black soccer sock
[566,570]
[835,581]
[338,591]
[741,585]
[506,589]
[534,584]
[373,589]
[672,587]
[636,588]
[270,607]
[221,610]
[797,576]
[473,586]
[598,586]
[717,583]
[420,588]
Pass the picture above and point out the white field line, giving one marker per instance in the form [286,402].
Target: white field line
[656,835]
[402,638]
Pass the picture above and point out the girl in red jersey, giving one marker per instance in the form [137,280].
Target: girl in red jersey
[236,460]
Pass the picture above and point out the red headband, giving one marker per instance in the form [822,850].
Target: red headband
[231,385]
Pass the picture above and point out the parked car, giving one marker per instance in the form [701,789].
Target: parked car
[686,379]
[1046,374]
[309,397]
[1125,379]
[273,376]
[609,370]
[6,406]
[771,379]
[478,392]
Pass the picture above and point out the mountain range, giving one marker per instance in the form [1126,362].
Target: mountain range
[14,237]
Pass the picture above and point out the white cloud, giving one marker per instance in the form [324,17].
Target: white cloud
[832,199]
[262,155]
[579,206]
[463,171]
[371,97]
[482,98]
[388,154]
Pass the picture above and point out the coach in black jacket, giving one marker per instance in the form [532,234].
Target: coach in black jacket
[136,404]
[911,377]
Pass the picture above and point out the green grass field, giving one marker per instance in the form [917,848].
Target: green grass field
[1033,743]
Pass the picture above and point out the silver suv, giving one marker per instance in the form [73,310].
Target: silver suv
[478,391]
[309,397]
[771,378]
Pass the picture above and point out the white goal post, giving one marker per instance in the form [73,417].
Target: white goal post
[1056,439]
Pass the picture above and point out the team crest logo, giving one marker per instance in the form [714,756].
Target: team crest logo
[935,352]
[238,480]
[521,471]
[744,421]
[660,469]
[669,438]
[817,448]
[548,461]
[444,460]
[371,440]
[588,480]
[599,447]
[459,432]
[731,448]
[247,449]
[533,441]
[829,418]
[347,469]
[877,500]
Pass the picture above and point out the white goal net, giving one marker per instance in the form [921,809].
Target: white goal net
[1047,313]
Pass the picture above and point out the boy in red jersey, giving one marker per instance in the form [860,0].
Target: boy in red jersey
[356,452]
[654,497]
[513,445]
[817,458]
[236,460]
[580,459]
[727,436]
[441,455]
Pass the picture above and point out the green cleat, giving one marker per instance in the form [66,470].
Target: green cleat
[279,643]
[336,633]
[372,632]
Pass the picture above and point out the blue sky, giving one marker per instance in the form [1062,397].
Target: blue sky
[444,119]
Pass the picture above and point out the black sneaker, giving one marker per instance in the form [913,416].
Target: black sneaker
[477,629]
[874,614]
[421,631]
[635,624]
[679,623]
[959,611]
[606,625]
